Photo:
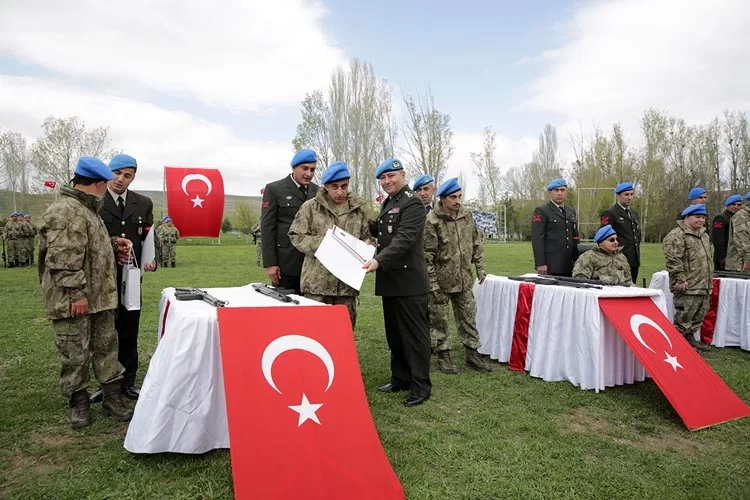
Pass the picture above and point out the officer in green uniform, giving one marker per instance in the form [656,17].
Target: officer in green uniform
[625,221]
[720,230]
[554,233]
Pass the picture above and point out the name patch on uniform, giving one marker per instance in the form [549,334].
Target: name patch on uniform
[394,210]
[288,197]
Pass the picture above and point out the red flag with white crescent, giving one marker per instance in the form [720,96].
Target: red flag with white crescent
[195,200]
[694,390]
[299,422]
[50,184]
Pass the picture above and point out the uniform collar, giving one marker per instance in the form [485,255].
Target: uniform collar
[124,195]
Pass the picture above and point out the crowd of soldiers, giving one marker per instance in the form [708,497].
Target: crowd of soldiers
[18,240]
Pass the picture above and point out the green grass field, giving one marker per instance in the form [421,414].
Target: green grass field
[481,436]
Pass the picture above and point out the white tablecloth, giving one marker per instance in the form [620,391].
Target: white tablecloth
[569,337]
[732,327]
[182,407]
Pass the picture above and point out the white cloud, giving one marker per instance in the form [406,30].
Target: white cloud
[156,137]
[229,54]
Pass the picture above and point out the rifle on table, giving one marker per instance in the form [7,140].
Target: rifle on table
[589,281]
[198,294]
[275,293]
[545,280]
[732,274]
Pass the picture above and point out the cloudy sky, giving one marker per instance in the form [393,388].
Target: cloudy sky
[218,84]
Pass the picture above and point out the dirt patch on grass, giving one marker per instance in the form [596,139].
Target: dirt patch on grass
[54,441]
[21,464]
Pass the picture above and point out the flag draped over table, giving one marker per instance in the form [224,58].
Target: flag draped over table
[195,200]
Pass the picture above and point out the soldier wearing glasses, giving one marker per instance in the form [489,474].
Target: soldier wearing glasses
[605,262]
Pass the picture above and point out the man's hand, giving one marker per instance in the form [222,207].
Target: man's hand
[79,308]
[371,266]
[541,269]
[124,247]
[746,267]
[151,266]
[481,280]
[680,287]
[274,274]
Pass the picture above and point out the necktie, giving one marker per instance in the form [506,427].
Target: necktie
[303,190]
[121,205]
[627,212]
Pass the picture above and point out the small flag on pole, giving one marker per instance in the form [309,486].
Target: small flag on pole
[50,184]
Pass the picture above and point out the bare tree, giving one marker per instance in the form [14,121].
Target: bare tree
[547,154]
[313,132]
[487,171]
[735,130]
[14,161]
[428,135]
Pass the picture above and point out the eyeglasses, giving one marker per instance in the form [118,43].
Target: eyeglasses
[612,239]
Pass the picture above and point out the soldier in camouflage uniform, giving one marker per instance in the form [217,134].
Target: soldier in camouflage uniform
[451,245]
[77,271]
[687,250]
[30,232]
[257,242]
[168,236]
[605,262]
[738,249]
[9,235]
[332,206]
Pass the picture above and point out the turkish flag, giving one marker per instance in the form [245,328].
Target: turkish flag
[379,198]
[299,422]
[50,184]
[195,200]
[693,389]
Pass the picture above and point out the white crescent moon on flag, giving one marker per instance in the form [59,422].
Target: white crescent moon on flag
[196,177]
[637,320]
[288,343]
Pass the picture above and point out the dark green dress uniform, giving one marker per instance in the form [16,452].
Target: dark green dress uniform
[626,223]
[133,221]
[281,201]
[402,282]
[720,238]
[554,238]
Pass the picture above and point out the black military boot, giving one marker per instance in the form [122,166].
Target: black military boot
[173,264]
[80,409]
[697,345]
[474,360]
[113,404]
[445,363]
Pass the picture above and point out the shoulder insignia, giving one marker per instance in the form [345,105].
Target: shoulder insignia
[605,220]
[408,194]
[265,204]
[718,224]
[537,218]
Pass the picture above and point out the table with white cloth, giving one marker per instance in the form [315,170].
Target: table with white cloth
[732,326]
[181,407]
[569,337]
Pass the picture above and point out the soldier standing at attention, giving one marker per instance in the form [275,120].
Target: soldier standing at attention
[424,187]
[554,233]
[77,270]
[168,235]
[720,230]
[624,220]
[605,262]
[334,205]
[452,244]
[32,231]
[688,255]
[738,248]
[401,280]
[281,201]
[12,236]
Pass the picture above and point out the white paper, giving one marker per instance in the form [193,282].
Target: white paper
[148,250]
[343,255]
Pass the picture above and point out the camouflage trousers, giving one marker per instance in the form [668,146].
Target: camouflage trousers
[86,340]
[349,302]
[16,250]
[689,311]
[464,313]
[257,252]
[168,253]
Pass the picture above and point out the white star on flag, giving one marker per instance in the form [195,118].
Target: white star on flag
[672,360]
[306,411]
[197,201]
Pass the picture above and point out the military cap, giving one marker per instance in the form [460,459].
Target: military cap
[747,195]
[557,183]
[696,193]
[604,233]
[93,168]
[448,187]
[335,172]
[422,180]
[735,198]
[122,161]
[390,165]
[304,156]
[167,219]
[694,210]
[623,186]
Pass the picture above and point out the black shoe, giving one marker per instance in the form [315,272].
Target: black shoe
[131,392]
[391,388]
[415,400]
[172,264]
[97,397]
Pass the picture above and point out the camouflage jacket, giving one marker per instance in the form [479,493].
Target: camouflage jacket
[738,248]
[610,268]
[688,256]
[28,230]
[13,230]
[76,255]
[306,233]
[168,235]
[451,246]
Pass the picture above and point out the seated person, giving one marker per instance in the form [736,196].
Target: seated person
[604,262]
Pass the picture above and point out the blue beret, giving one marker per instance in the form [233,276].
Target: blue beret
[93,169]
[624,186]
[747,195]
[696,193]
[448,187]
[603,233]
[422,180]
[335,172]
[735,198]
[167,219]
[304,156]
[390,165]
[556,184]
[122,161]
[694,210]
